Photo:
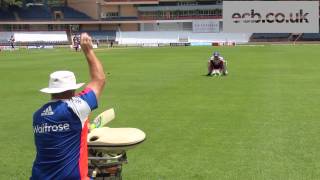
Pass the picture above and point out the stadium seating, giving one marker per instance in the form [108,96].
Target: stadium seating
[40,12]
[34,13]
[310,37]
[159,37]
[6,15]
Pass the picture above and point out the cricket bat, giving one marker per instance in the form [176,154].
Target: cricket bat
[102,119]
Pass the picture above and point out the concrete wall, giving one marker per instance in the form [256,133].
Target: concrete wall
[129,27]
[128,10]
[39,27]
[110,8]
[2,28]
[113,27]
[89,27]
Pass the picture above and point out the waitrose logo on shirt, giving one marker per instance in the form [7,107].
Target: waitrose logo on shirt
[46,128]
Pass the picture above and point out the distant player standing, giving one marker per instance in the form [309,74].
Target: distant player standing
[12,41]
[76,42]
[217,65]
[61,126]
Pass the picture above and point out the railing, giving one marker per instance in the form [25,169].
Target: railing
[178,17]
[120,18]
[179,8]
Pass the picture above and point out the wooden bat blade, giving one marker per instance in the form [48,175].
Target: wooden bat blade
[104,118]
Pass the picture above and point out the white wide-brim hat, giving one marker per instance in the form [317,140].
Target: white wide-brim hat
[61,81]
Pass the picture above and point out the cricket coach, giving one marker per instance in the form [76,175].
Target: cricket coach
[61,125]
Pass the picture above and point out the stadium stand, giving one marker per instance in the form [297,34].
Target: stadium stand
[131,22]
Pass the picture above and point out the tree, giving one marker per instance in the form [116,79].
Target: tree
[6,3]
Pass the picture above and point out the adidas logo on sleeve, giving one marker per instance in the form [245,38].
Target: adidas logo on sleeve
[47,112]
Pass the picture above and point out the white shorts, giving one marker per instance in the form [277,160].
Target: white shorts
[216,71]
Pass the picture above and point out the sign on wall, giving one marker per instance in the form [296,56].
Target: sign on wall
[271,16]
[205,26]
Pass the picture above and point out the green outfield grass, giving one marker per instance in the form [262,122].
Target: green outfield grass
[261,122]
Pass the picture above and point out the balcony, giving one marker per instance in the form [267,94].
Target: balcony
[179,13]
[186,17]
[178,8]
[120,18]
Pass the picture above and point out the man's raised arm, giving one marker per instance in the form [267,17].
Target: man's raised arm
[97,75]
